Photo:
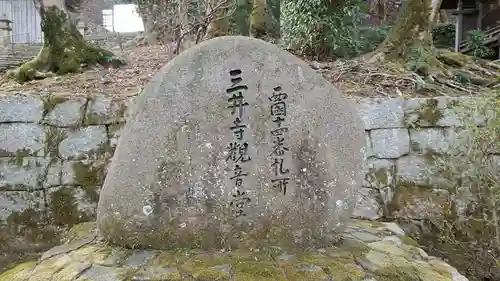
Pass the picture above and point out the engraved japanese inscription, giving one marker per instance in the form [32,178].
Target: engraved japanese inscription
[237,149]
[281,173]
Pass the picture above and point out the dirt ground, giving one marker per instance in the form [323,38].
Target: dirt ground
[352,77]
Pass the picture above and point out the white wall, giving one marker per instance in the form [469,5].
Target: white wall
[125,19]
[26,20]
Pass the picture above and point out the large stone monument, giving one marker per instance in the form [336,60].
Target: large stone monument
[234,142]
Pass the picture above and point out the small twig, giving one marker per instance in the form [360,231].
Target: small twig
[338,76]
[453,85]
[378,90]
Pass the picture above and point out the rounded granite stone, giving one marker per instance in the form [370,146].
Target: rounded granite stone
[234,137]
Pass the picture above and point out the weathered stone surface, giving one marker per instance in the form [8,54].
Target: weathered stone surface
[28,173]
[21,140]
[19,201]
[114,132]
[85,142]
[369,251]
[378,113]
[64,110]
[53,173]
[72,204]
[84,172]
[430,112]
[379,173]
[369,148]
[367,206]
[104,109]
[20,108]
[172,173]
[390,143]
[412,169]
[432,140]
[418,202]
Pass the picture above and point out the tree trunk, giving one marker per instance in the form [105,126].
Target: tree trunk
[162,19]
[412,29]
[64,49]
[265,19]
[150,35]
[258,19]
[219,26]
[276,16]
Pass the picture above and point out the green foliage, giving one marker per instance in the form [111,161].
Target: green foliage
[443,35]
[462,77]
[475,39]
[320,27]
[469,171]
[371,37]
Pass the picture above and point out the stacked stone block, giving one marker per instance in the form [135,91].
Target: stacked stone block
[54,150]
[403,134]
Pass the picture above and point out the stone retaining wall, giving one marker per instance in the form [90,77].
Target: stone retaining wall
[54,150]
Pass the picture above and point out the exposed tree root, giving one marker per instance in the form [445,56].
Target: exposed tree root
[64,50]
[48,64]
[442,65]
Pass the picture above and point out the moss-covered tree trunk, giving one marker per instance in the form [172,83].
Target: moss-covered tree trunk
[64,49]
[258,19]
[264,19]
[411,30]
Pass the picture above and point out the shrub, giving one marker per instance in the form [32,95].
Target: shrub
[469,233]
[475,40]
[371,37]
[320,27]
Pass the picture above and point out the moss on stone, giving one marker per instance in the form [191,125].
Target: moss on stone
[93,118]
[428,113]
[64,207]
[212,274]
[80,231]
[397,273]
[18,271]
[241,264]
[427,272]
[15,187]
[171,276]
[122,109]
[304,274]
[408,185]
[51,101]
[344,268]
[114,128]
[53,137]
[127,274]
[30,227]
[90,178]
[381,175]
[378,178]
[103,151]
[409,241]
[18,155]
[261,270]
